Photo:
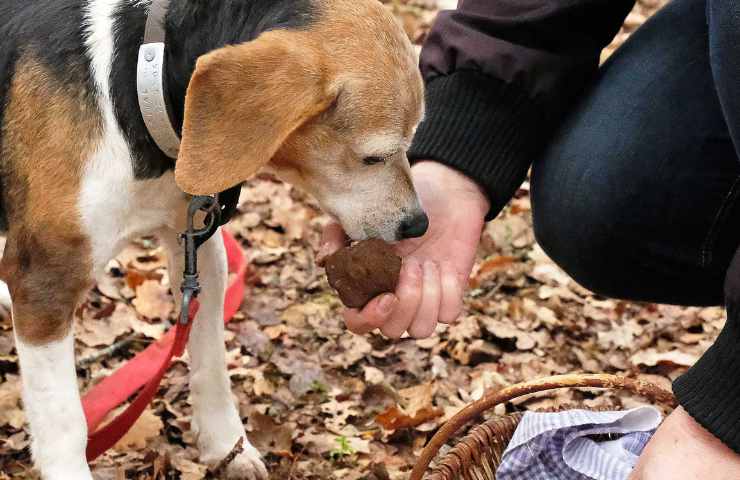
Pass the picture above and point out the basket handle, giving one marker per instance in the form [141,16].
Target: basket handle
[640,387]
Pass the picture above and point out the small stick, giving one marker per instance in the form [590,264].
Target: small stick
[107,351]
[219,471]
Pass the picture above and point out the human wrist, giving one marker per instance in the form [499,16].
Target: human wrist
[454,182]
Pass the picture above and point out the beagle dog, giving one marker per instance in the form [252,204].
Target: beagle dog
[324,93]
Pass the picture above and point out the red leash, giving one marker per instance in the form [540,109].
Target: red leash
[149,366]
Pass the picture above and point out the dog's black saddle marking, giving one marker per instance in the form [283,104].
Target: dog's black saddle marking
[193,28]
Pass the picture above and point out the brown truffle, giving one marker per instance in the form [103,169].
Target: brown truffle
[363,271]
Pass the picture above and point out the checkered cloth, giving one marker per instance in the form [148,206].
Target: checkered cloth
[578,445]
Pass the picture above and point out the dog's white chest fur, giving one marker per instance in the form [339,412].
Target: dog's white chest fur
[115,208]
[113,205]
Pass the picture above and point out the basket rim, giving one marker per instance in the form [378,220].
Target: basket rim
[640,387]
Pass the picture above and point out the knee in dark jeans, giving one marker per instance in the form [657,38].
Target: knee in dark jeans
[633,196]
[575,216]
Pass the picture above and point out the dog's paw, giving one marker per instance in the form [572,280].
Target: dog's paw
[247,466]
[67,474]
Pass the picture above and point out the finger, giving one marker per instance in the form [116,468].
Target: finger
[409,296]
[374,315]
[425,321]
[356,323]
[452,294]
[332,239]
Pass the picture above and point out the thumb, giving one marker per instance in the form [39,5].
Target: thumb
[374,315]
[332,239]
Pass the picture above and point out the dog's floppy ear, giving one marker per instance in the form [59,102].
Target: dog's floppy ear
[242,103]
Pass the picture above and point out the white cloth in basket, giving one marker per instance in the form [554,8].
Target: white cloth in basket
[578,445]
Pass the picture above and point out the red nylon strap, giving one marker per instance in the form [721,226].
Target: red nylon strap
[149,366]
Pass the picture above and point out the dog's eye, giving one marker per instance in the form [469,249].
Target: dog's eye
[373,160]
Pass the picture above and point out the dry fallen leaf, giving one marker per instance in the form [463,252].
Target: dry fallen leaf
[153,300]
[489,267]
[417,398]
[149,329]
[269,436]
[652,357]
[104,331]
[394,418]
[189,470]
[505,330]
[373,375]
[417,408]
[10,402]
[146,428]
[352,349]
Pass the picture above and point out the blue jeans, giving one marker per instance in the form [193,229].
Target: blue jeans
[638,193]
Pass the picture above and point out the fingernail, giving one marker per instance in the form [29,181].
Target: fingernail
[387,304]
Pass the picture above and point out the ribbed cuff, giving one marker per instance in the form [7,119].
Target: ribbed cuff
[485,128]
[710,391]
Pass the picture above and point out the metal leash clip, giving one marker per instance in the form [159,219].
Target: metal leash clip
[192,239]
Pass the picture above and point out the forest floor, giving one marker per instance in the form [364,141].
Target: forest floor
[322,403]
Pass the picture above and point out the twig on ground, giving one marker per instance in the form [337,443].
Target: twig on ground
[294,463]
[107,351]
[219,471]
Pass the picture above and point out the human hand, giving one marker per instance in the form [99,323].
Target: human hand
[682,449]
[436,266]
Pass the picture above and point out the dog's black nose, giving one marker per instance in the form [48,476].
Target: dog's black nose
[414,226]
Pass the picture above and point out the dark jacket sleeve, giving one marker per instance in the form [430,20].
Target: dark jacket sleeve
[499,74]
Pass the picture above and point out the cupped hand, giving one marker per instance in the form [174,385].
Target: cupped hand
[682,449]
[435,267]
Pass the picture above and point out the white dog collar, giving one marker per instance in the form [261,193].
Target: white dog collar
[150,82]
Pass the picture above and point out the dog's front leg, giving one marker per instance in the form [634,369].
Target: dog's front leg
[216,421]
[44,296]
[52,405]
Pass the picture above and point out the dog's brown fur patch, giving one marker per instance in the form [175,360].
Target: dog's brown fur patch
[49,130]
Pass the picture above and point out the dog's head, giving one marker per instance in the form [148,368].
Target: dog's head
[330,108]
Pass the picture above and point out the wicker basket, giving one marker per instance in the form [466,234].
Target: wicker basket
[478,454]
